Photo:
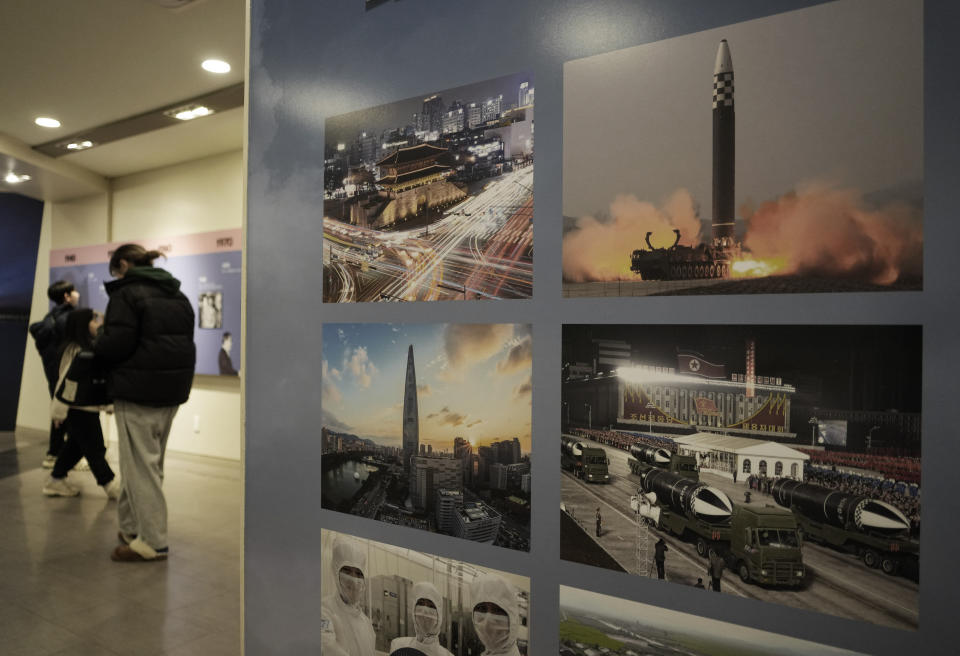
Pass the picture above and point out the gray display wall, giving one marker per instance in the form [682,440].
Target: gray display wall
[310,61]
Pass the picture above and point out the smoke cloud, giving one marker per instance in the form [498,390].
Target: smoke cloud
[817,230]
[830,232]
[600,250]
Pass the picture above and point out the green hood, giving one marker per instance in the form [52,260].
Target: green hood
[160,277]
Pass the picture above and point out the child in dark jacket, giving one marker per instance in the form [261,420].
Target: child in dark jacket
[82,422]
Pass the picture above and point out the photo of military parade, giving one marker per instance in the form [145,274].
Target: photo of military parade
[428,426]
[431,198]
[805,176]
[593,624]
[775,462]
[379,599]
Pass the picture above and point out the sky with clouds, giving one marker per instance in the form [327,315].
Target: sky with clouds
[473,381]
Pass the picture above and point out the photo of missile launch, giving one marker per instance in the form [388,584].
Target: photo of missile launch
[804,176]
[775,462]
[592,623]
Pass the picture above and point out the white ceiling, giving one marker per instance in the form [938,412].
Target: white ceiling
[92,62]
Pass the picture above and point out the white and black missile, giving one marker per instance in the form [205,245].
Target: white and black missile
[651,455]
[571,446]
[724,146]
[688,496]
[839,509]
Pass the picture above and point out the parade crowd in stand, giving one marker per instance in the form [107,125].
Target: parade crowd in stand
[624,440]
[898,468]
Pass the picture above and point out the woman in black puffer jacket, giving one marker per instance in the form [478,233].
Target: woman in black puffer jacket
[147,343]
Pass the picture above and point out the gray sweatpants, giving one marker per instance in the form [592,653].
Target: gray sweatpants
[143,432]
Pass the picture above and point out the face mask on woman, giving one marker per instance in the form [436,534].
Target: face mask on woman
[427,620]
[492,629]
[351,587]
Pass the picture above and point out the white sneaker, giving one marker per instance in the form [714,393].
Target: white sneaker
[58,487]
[83,465]
[113,488]
[49,461]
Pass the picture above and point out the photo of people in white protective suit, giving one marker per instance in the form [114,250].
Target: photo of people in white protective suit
[495,615]
[382,600]
[347,630]
[426,608]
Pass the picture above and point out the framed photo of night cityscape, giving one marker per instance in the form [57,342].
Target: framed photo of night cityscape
[428,426]
[778,155]
[775,462]
[431,198]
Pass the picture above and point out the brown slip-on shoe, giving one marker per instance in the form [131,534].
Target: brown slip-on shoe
[124,554]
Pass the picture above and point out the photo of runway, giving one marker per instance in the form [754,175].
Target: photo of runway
[592,624]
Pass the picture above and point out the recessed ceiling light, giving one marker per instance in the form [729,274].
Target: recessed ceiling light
[216,66]
[46,122]
[79,144]
[189,112]
[13,178]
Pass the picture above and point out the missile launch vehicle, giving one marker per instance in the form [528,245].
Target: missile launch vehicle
[681,262]
[660,458]
[877,532]
[759,543]
[589,463]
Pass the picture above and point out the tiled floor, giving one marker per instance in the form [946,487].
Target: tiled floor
[61,594]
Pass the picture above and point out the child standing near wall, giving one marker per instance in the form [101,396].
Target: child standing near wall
[82,422]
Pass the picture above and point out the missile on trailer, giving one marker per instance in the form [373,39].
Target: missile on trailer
[839,509]
[645,506]
[686,495]
[571,446]
[650,454]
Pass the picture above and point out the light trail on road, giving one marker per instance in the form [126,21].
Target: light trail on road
[480,248]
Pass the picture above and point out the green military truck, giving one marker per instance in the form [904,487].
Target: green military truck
[759,543]
[764,546]
[875,531]
[589,463]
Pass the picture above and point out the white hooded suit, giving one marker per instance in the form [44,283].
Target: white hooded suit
[426,639]
[490,588]
[345,629]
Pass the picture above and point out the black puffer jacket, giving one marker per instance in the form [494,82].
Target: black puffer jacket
[147,339]
[48,335]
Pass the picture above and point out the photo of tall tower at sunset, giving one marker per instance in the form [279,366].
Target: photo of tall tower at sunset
[444,449]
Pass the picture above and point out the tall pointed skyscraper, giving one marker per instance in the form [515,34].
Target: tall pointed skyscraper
[411,415]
